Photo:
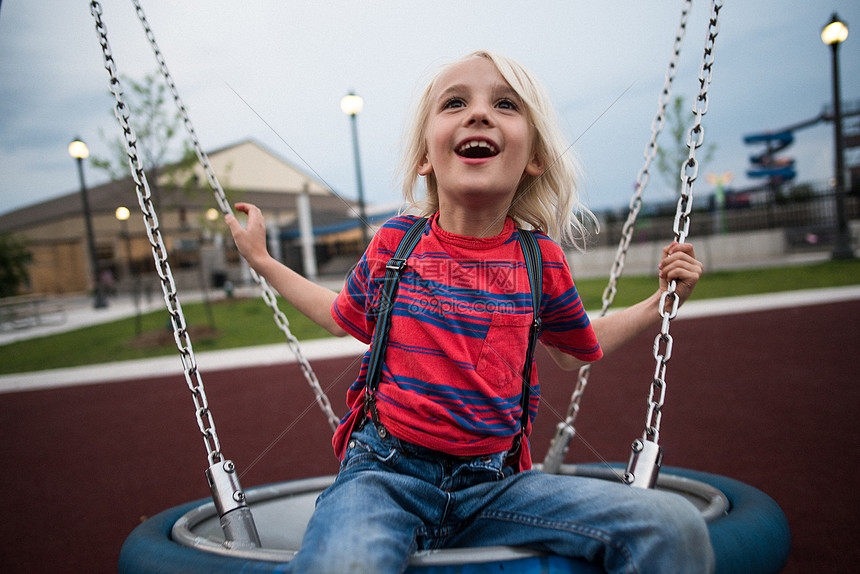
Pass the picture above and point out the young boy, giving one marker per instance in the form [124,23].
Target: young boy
[437,456]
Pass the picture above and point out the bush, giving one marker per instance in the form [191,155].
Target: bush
[14,259]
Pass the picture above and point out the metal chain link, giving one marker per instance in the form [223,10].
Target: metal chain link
[669,301]
[268,294]
[159,252]
[566,430]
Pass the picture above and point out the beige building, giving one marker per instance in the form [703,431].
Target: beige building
[200,249]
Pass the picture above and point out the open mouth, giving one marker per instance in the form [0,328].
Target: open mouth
[475,149]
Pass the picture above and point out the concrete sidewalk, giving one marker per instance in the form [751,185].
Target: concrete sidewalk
[332,347]
[79,311]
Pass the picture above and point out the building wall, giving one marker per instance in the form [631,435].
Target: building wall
[59,268]
[248,166]
[55,231]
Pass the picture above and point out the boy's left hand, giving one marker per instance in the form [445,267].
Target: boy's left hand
[679,263]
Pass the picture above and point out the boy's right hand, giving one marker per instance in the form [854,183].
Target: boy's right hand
[311,299]
[250,240]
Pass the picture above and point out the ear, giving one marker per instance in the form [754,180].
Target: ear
[425,167]
[535,167]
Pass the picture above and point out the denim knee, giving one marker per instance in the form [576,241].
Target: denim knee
[683,534]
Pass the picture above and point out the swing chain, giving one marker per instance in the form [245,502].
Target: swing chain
[284,325]
[220,197]
[696,134]
[646,454]
[644,175]
[159,252]
[669,301]
[268,294]
[565,430]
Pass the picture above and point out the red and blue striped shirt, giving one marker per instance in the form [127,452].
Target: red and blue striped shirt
[452,374]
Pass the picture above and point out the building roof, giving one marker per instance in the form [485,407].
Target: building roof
[247,171]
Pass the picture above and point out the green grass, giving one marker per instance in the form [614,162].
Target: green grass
[247,322]
[715,284]
[237,323]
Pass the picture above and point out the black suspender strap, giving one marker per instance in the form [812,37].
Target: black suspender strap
[393,271]
[531,252]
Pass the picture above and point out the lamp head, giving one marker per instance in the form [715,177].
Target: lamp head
[835,32]
[78,149]
[351,104]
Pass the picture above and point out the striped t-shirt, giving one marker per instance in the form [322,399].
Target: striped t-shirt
[452,374]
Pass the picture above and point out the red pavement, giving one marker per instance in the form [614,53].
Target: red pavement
[764,397]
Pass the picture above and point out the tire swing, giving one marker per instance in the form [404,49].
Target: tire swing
[748,530]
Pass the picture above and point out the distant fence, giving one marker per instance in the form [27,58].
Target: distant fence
[30,311]
[737,236]
[808,223]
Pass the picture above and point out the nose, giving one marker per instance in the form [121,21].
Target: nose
[479,113]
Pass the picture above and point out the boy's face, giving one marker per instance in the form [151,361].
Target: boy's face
[479,141]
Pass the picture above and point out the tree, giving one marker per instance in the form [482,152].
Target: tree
[14,259]
[801,192]
[670,157]
[156,125]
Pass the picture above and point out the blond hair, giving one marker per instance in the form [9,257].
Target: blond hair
[549,202]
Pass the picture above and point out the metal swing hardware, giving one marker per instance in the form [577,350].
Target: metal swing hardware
[237,522]
[566,430]
[646,458]
[558,448]
[267,293]
[232,507]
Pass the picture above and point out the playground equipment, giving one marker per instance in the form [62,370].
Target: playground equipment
[748,530]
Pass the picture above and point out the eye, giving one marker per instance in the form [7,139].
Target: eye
[454,102]
[507,104]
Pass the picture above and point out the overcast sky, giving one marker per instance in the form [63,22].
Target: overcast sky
[291,62]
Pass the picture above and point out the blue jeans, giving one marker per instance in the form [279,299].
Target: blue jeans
[392,498]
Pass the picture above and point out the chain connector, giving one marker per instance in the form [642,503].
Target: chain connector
[646,458]
[564,433]
[231,505]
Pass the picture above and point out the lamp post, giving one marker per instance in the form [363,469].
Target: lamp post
[833,34]
[720,181]
[352,106]
[122,214]
[79,150]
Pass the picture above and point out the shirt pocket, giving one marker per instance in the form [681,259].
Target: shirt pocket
[503,354]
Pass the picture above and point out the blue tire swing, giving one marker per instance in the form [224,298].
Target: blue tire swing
[748,530]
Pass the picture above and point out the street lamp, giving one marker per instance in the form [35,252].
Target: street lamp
[122,214]
[352,106]
[79,150]
[833,34]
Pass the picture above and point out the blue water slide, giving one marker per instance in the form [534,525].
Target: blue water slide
[766,164]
